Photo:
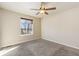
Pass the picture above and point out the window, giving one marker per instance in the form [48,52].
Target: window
[26,26]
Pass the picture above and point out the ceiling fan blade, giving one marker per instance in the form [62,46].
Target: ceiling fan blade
[46,13]
[37,13]
[54,8]
[35,9]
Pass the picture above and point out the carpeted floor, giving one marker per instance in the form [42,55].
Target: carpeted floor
[42,47]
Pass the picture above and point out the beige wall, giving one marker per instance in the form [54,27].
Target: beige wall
[10,29]
[0,28]
[62,28]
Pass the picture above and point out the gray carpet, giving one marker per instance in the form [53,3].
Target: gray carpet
[42,48]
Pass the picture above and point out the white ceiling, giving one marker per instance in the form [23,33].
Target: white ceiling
[25,7]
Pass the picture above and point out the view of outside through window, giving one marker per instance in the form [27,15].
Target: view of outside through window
[26,26]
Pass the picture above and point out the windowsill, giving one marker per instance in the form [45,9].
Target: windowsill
[26,34]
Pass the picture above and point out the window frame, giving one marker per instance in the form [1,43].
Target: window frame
[31,24]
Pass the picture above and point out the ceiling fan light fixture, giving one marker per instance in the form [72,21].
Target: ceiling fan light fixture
[42,11]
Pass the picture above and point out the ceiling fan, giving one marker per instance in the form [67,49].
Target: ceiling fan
[43,9]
